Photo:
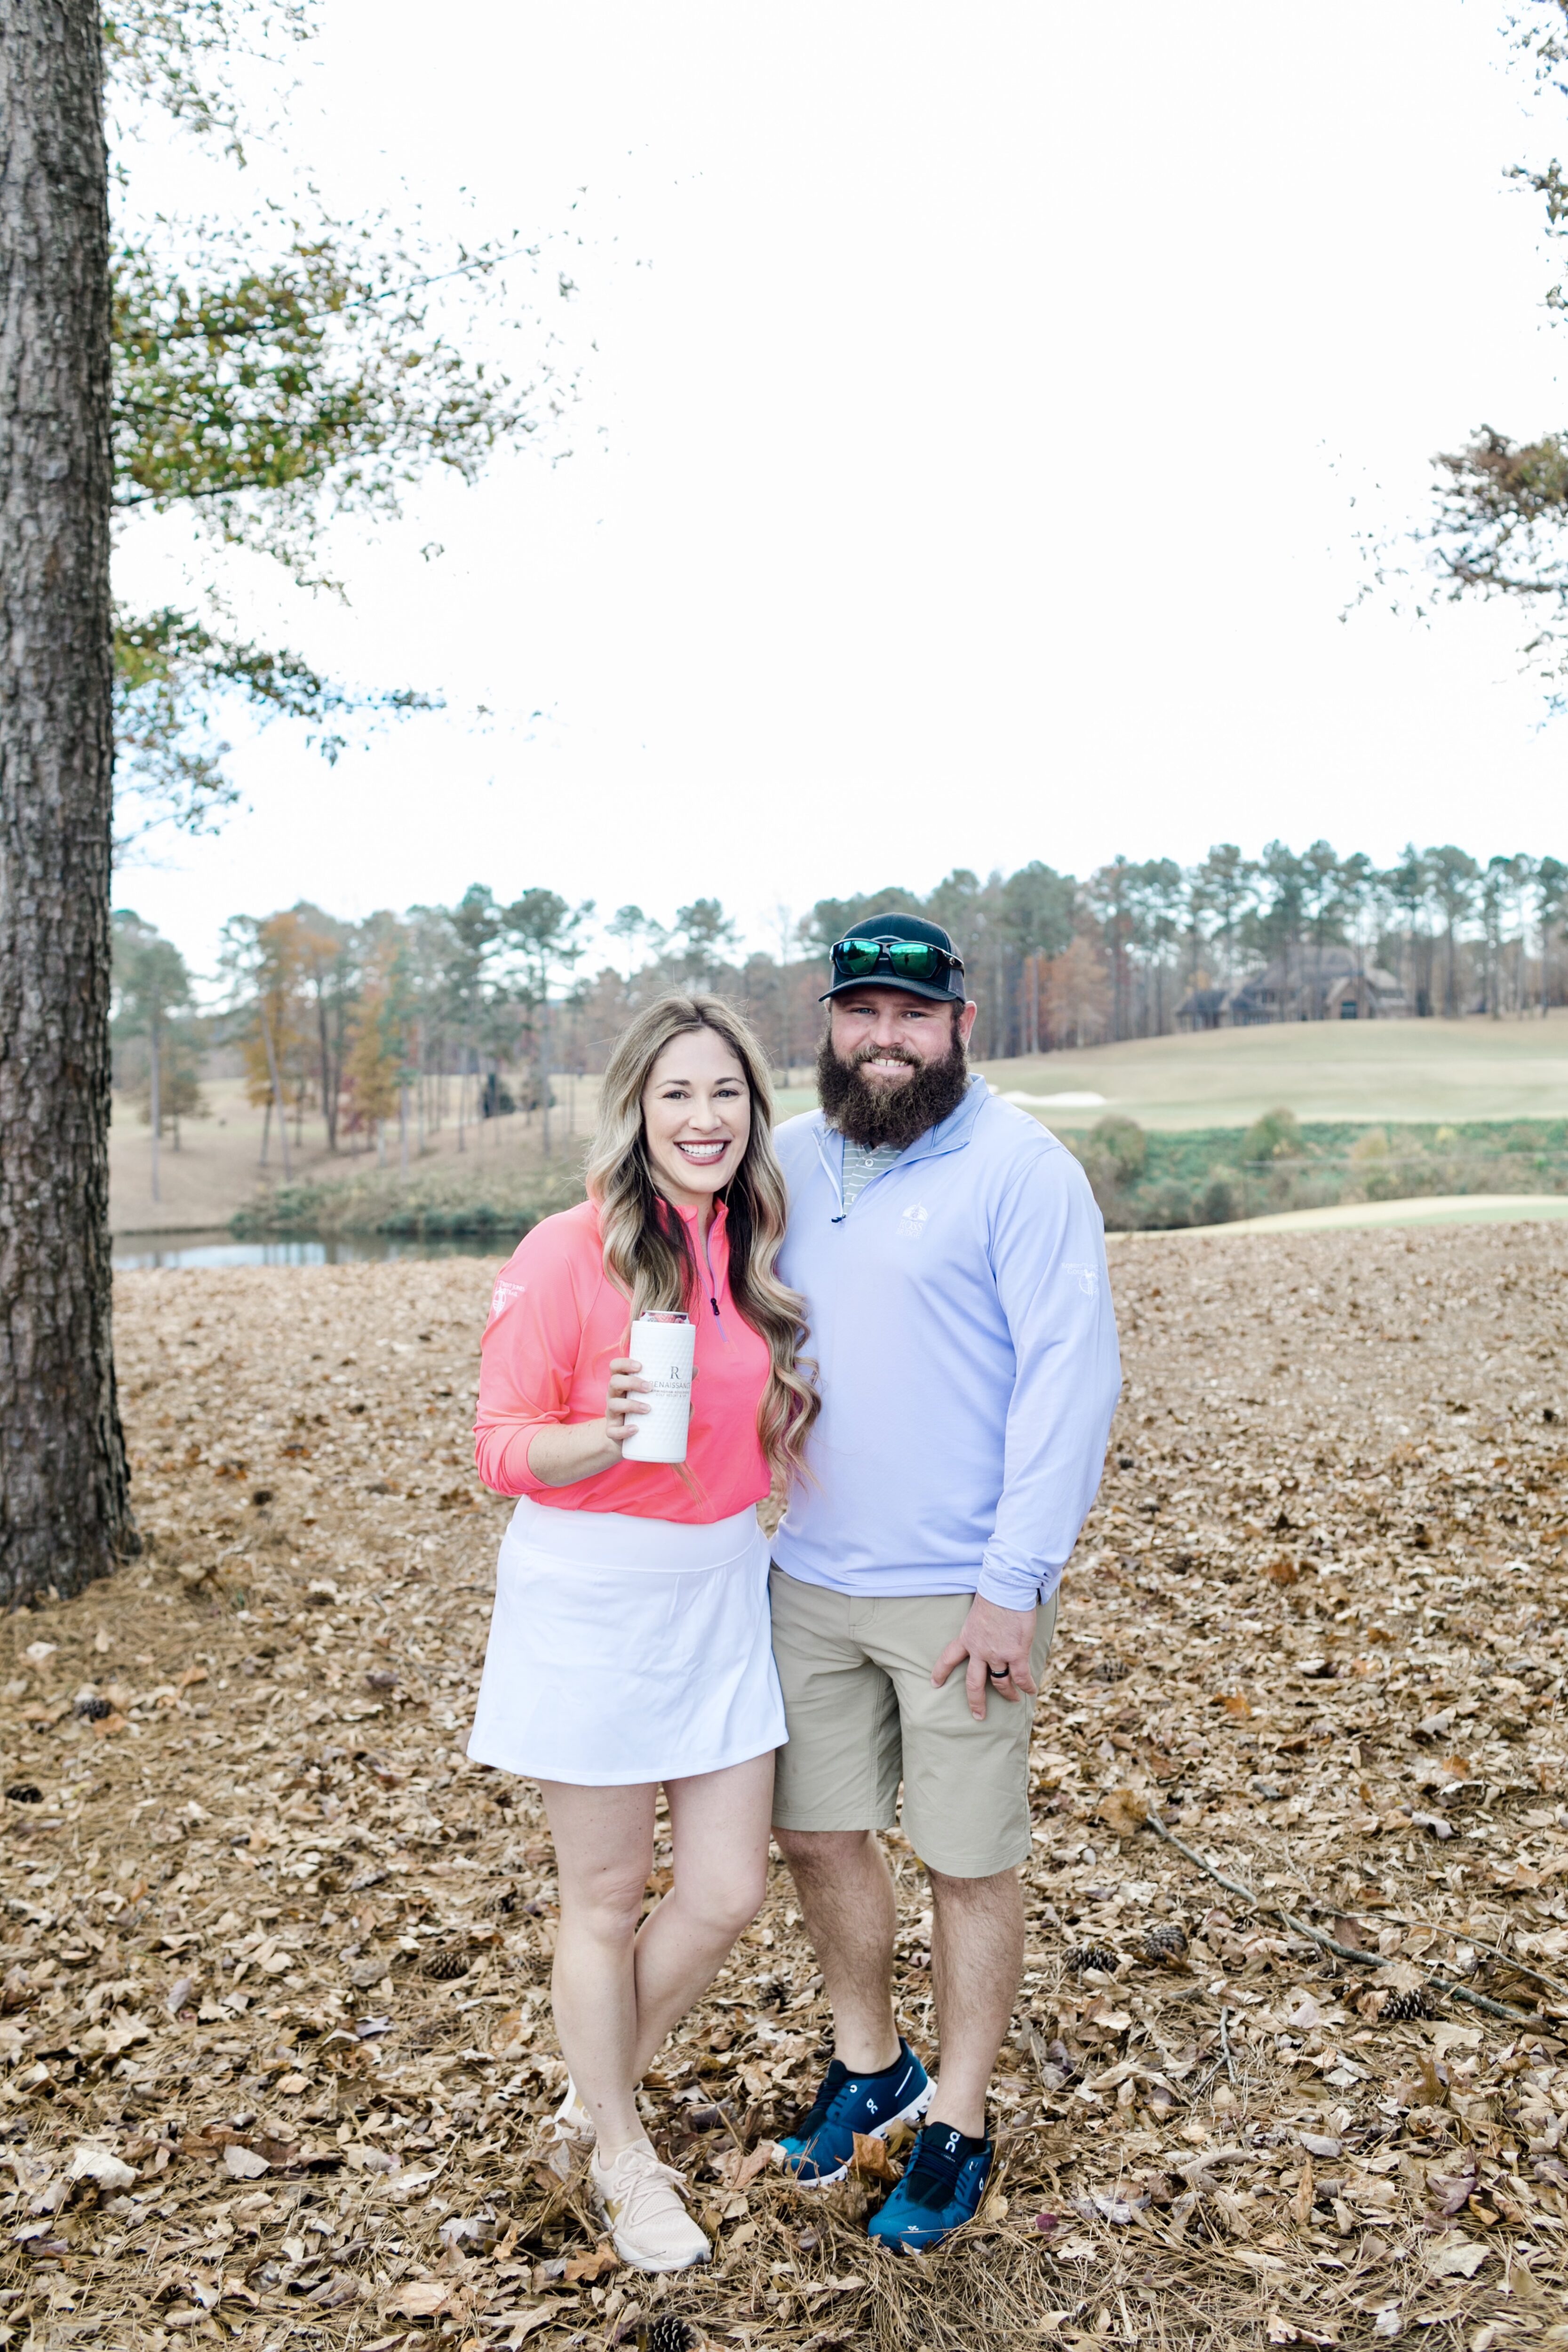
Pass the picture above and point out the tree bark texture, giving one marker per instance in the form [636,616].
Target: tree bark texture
[65,1506]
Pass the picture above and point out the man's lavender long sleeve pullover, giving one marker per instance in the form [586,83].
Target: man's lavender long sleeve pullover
[960,1319]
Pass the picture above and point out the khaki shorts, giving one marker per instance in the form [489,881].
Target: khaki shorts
[864,1715]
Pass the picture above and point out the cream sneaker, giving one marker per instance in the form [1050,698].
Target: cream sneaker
[572,2123]
[651,2227]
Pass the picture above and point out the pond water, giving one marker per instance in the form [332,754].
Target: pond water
[219,1247]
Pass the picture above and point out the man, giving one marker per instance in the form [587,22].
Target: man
[952,1262]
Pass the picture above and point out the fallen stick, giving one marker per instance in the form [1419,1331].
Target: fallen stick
[1341,1951]
[1520,1968]
[1225,2045]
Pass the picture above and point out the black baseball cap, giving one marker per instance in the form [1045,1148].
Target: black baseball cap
[875,944]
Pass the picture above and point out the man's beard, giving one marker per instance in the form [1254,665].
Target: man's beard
[870,1115]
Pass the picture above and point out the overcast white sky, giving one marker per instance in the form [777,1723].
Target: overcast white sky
[979,409]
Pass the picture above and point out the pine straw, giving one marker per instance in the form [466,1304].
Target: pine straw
[1315,1623]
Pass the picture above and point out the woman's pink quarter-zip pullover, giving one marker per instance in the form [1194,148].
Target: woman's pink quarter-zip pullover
[556,1322]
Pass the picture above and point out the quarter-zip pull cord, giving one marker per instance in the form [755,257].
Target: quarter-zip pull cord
[834,1180]
[712,1287]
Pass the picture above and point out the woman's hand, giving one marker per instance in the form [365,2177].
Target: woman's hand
[622,1410]
[581,1449]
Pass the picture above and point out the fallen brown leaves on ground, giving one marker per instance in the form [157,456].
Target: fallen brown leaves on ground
[275,2013]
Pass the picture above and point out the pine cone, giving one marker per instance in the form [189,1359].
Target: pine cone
[1401,2005]
[667,2333]
[1109,1669]
[1091,1956]
[1166,1942]
[445,1967]
[93,1710]
[22,1793]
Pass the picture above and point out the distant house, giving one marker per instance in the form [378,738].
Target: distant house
[1206,1008]
[1305,983]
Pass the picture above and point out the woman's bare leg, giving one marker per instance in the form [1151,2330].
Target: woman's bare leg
[718,1826]
[618,1989]
[604,1851]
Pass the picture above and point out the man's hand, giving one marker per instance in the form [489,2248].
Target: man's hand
[990,1637]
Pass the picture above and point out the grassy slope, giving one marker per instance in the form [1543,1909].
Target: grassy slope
[215,1177]
[1469,1209]
[504,1192]
[1339,1071]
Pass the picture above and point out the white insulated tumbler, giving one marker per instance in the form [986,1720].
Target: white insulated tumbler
[664,1345]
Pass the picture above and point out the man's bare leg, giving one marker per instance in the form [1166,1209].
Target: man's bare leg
[846,1894]
[976,1965]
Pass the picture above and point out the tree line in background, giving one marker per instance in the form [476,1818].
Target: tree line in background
[404,1024]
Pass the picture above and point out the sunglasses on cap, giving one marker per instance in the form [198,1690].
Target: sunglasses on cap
[858,959]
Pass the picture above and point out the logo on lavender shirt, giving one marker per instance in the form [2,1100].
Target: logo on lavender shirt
[1087,1279]
[912,1223]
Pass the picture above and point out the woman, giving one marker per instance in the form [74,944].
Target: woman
[629,1646]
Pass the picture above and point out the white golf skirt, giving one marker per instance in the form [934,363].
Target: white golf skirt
[625,1650]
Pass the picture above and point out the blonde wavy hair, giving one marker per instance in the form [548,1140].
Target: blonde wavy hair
[647,1252]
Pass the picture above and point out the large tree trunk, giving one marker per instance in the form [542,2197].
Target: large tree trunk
[65,1504]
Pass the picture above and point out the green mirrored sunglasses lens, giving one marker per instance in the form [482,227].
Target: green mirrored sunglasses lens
[915,959]
[858,957]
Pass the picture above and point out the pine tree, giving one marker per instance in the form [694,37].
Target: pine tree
[65,1487]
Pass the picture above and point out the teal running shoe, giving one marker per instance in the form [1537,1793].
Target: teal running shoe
[819,2148]
[943,2183]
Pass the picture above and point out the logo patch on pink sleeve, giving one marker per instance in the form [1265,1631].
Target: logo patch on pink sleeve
[502,1295]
